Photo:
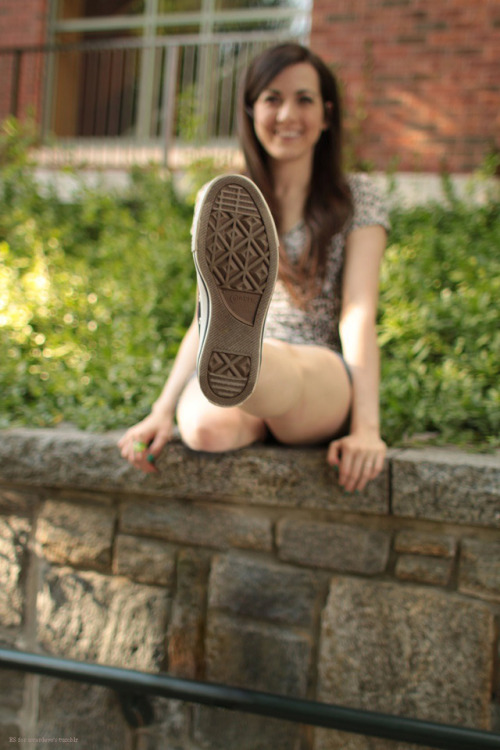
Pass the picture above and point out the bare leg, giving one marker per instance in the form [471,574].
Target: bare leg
[206,427]
[303,393]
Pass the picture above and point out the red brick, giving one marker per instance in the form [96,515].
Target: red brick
[443,61]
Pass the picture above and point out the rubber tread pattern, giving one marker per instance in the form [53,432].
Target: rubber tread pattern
[237,245]
[235,248]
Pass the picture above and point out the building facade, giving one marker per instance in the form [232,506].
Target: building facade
[420,79]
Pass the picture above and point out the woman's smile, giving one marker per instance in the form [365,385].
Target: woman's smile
[289,134]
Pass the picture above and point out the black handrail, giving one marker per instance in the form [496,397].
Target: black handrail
[356,721]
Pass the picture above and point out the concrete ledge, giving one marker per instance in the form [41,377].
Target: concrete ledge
[444,485]
[261,475]
[432,484]
[110,171]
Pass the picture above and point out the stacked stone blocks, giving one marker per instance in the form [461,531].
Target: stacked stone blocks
[252,569]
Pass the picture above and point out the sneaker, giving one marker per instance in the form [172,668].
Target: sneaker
[235,249]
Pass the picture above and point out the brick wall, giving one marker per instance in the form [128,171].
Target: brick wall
[421,77]
[423,74]
[23,23]
[251,568]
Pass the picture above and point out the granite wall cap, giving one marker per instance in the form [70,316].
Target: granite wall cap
[439,484]
[261,474]
[432,484]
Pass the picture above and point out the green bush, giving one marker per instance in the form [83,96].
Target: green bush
[96,294]
[439,325]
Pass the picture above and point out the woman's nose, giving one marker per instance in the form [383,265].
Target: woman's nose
[285,111]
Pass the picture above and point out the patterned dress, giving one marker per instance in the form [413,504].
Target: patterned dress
[319,323]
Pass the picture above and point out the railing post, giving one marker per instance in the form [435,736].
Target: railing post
[169,98]
[146,76]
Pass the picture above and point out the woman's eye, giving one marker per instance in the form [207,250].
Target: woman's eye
[305,100]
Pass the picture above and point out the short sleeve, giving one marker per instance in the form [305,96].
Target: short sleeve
[369,206]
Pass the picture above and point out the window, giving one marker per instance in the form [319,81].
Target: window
[145,69]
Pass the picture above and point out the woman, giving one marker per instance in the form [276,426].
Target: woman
[319,375]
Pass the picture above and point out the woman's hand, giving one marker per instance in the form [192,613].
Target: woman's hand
[359,458]
[143,442]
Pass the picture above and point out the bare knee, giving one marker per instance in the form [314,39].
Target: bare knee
[209,437]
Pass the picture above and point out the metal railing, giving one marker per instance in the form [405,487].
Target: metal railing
[132,686]
[123,94]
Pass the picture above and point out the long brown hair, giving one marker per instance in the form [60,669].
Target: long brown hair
[329,204]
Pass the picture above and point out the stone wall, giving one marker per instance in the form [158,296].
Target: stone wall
[251,569]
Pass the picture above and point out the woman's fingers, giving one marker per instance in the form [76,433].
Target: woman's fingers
[144,461]
[134,450]
[162,437]
[142,444]
[358,463]
[334,453]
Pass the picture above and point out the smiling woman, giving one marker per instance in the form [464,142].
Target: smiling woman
[310,373]
[329,202]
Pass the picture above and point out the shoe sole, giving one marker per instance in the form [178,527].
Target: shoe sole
[235,248]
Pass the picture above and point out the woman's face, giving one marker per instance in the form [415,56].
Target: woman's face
[289,114]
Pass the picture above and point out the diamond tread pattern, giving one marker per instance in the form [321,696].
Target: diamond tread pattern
[237,254]
[237,246]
